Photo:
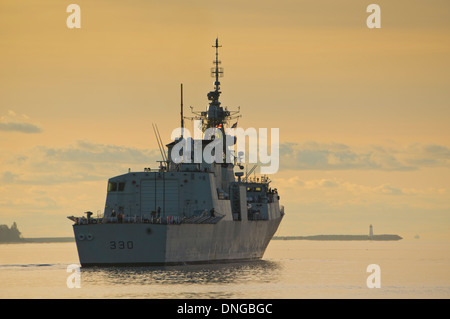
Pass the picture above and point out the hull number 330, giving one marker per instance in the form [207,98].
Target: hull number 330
[121,244]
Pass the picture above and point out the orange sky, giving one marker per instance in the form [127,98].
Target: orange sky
[363,113]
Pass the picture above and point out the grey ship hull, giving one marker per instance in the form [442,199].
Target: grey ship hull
[157,244]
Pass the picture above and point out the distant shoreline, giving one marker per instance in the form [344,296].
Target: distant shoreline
[40,240]
[384,237]
[12,235]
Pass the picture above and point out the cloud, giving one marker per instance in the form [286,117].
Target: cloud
[430,155]
[84,161]
[328,183]
[8,177]
[335,156]
[344,193]
[88,152]
[15,123]
[20,127]
[390,190]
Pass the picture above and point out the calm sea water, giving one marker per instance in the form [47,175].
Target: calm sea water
[290,269]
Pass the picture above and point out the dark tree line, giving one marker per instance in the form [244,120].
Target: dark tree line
[9,234]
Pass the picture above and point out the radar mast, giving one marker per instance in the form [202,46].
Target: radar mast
[216,116]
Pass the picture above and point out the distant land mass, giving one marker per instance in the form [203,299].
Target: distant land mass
[10,234]
[49,240]
[13,235]
[385,237]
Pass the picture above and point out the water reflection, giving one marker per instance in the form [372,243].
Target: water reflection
[260,271]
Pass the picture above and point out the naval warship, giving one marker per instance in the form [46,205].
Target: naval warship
[183,212]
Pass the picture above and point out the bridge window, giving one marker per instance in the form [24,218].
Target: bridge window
[112,187]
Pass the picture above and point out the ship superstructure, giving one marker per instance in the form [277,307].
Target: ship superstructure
[184,211]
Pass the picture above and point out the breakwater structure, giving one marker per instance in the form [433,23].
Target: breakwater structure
[370,236]
[385,237]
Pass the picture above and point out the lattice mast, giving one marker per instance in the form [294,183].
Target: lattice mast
[215,116]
